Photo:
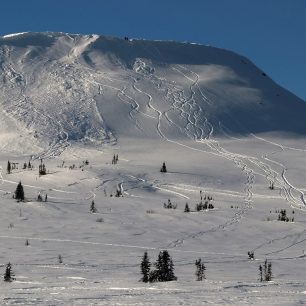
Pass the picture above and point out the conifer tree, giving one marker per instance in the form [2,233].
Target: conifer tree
[19,193]
[92,207]
[164,268]
[200,270]
[145,267]
[265,271]
[8,169]
[8,275]
[269,272]
[163,168]
[187,209]
[260,273]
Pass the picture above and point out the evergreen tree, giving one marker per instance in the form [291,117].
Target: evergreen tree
[265,271]
[92,207]
[200,270]
[163,168]
[164,268]
[8,167]
[269,272]
[187,209]
[42,168]
[260,273]
[145,267]
[8,275]
[19,193]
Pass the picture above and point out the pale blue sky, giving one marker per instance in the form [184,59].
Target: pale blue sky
[271,33]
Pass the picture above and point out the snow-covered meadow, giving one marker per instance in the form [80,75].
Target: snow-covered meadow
[215,119]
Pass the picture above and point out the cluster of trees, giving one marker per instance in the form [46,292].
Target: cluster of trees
[115,159]
[28,165]
[169,205]
[164,269]
[203,206]
[42,168]
[282,216]
[200,206]
[265,271]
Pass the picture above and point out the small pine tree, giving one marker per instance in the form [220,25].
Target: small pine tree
[251,255]
[268,276]
[200,270]
[60,259]
[163,169]
[8,169]
[92,207]
[8,275]
[187,209]
[145,267]
[42,168]
[260,273]
[19,193]
[27,243]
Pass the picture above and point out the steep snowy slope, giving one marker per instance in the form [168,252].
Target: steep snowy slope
[61,88]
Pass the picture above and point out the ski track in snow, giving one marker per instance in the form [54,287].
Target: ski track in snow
[242,161]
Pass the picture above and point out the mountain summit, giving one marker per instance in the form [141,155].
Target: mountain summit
[60,88]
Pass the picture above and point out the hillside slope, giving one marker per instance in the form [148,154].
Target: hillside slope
[60,88]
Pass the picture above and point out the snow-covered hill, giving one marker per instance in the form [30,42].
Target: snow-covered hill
[61,88]
[224,129]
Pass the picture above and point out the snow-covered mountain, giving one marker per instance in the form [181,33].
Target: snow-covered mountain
[62,88]
[224,129]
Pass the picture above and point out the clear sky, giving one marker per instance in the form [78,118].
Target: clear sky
[271,33]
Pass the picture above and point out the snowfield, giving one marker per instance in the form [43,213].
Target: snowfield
[222,126]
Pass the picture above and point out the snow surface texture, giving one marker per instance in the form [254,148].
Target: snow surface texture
[222,126]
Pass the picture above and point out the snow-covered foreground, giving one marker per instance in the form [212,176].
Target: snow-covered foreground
[101,259]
